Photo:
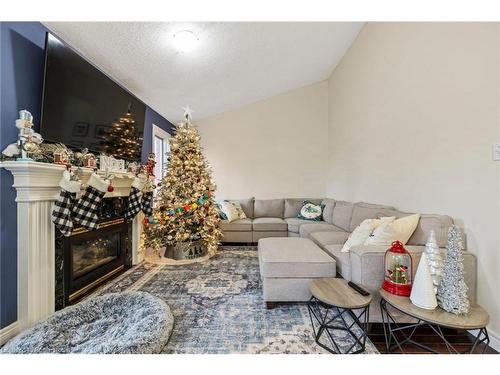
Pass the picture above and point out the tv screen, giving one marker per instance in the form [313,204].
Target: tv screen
[84,108]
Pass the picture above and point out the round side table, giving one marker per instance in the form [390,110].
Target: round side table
[476,319]
[331,308]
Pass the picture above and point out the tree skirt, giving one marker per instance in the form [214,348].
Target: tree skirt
[218,307]
[128,322]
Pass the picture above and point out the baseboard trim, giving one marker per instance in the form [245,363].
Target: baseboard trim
[494,340]
[8,332]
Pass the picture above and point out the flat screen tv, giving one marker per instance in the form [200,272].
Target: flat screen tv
[83,108]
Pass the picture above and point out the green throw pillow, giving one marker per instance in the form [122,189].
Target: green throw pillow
[311,211]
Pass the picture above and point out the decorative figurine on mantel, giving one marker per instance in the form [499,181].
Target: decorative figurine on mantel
[61,156]
[27,142]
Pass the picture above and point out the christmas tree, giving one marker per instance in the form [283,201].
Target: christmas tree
[452,290]
[122,140]
[184,207]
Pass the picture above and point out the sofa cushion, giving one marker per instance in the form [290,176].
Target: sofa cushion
[269,208]
[362,211]
[240,225]
[329,238]
[342,213]
[438,223]
[328,210]
[343,260]
[295,223]
[305,230]
[389,231]
[264,224]
[246,205]
[293,257]
[294,205]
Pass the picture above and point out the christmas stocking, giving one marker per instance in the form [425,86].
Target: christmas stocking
[134,199]
[86,210]
[147,203]
[61,214]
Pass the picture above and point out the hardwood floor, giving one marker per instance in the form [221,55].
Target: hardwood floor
[461,340]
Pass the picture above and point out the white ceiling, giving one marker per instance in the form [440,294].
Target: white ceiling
[234,64]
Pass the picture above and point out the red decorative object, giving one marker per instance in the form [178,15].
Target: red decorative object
[110,188]
[187,207]
[150,165]
[398,270]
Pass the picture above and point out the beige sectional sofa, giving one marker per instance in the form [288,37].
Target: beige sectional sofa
[362,264]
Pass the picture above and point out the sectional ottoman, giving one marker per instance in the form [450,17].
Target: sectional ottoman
[287,266]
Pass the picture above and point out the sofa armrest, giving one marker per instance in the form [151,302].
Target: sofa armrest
[367,266]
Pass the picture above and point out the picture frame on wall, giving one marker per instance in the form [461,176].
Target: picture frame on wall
[80,129]
[101,131]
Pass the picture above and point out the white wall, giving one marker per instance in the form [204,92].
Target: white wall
[275,148]
[413,114]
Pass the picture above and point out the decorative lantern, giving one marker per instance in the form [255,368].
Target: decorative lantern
[89,161]
[61,156]
[398,270]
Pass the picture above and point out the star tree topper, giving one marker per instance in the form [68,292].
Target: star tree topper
[188,113]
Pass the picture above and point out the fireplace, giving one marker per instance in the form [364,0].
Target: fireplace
[87,259]
[41,285]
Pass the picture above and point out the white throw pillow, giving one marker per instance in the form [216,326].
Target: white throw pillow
[397,230]
[232,210]
[363,231]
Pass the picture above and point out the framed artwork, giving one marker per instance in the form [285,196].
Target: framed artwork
[80,129]
[101,131]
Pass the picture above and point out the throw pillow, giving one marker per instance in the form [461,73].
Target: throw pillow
[222,215]
[396,230]
[232,210]
[363,231]
[311,211]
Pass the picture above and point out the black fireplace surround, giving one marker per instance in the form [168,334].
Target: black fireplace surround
[87,259]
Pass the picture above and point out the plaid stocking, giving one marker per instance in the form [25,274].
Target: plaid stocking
[86,210]
[147,203]
[134,200]
[61,214]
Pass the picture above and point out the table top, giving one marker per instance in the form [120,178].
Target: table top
[475,319]
[336,292]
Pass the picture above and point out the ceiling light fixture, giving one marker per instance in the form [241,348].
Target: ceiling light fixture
[185,40]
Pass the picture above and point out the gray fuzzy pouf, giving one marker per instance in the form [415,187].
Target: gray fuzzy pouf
[128,322]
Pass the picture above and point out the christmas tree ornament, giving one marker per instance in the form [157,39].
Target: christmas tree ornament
[435,259]
[86,209]
[61,214]
[452,290]
[398,270]
[422,291]
[134,199]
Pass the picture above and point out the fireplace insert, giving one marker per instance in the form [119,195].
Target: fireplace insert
[87,259]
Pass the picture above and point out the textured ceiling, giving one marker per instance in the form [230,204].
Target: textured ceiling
[234,64]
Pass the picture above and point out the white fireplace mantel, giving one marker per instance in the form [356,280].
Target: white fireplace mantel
[37,187]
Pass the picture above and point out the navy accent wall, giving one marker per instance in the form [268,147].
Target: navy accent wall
[21,78]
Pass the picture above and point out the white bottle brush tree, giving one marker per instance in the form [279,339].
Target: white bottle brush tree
[452,290]
[435,259]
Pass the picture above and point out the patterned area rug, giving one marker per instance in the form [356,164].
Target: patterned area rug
[218,307]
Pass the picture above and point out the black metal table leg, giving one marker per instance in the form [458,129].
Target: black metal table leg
[327,323]
[391,328]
